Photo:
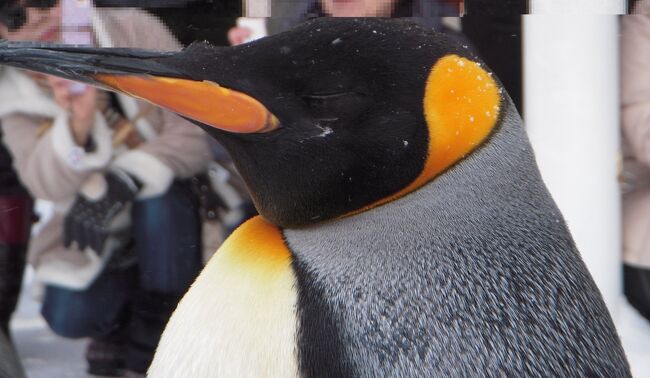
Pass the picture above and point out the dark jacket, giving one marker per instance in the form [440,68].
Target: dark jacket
[16,215]
[9,182]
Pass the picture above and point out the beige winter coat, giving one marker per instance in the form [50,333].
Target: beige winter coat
[635,68]
[54,168]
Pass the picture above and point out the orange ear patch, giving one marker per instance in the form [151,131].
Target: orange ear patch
[461,106]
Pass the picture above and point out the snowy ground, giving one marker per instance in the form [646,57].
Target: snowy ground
[635,335]
[44,354]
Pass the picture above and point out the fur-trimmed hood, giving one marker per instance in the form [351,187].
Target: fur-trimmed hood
[19,94]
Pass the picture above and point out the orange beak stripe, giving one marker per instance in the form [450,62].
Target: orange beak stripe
[202,101]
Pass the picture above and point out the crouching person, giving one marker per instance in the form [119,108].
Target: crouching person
[124,243]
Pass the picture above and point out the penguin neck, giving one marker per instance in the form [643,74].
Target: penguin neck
[364,279]
[499,179]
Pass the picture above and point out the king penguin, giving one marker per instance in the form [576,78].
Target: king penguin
[405,230]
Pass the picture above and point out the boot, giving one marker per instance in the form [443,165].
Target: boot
[9,362]
[12,265]
[149,316]
[132,374]
[106,357]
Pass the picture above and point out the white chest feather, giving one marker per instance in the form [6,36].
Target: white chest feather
[239,317]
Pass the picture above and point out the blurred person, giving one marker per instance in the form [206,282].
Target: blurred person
[124,242]
[363,8]
[15,224]
[635,65]
[286,13]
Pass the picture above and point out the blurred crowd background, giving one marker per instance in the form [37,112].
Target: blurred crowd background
[112,206]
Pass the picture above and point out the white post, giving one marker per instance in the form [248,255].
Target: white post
[257,8]
[578,7]
[571,107]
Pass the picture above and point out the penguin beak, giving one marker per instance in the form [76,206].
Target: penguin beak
[140,73]
[202,101]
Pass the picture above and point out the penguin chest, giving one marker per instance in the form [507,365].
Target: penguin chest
[239,317]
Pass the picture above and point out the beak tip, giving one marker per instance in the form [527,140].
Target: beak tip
[272,123]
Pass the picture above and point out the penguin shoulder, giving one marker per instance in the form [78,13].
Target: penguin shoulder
[239,316]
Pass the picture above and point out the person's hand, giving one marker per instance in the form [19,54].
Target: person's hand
[238,35]
[81,103]
[103,215]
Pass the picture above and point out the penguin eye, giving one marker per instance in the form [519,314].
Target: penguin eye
[336,105]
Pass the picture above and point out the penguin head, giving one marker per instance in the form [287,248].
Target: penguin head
[346,114]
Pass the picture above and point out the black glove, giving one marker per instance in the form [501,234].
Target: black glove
[222,195]
[91,222]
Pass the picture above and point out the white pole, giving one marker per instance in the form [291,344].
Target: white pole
[257,8]
[578,7]
[571,107]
